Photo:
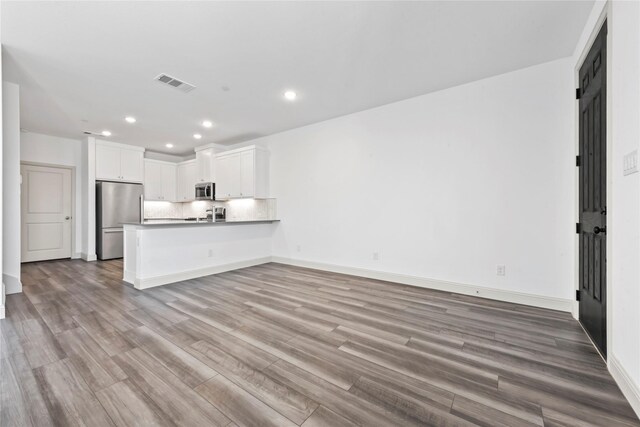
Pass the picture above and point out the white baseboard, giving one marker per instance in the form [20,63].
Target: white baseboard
[575,309]
[150,282]
[423,282]
[129,277]
[626,384]
[12,284]
[88,257]
[76,255]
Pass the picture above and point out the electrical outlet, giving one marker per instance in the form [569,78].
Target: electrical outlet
[501,270]
[210,253]
[376,256]
[298,248]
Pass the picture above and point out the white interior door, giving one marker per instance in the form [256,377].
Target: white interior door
[45,213]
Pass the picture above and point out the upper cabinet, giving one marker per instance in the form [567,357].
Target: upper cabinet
[242,173]
[160,180]
[227,176]
[119,162]
[187,179]
[107,162]
[205,165]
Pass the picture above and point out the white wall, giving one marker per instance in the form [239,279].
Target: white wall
[2,290]
[39,148]
[624,259]
[88,205]
[623,199]
[443,186]
[11,187]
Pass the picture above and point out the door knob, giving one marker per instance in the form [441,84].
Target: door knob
[598,230]
[67,218]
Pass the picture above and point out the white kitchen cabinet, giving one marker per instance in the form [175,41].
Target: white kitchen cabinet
[228,182]
[247,174]
[152,180]
[132,165]
[160,180]
[107,162]
[205,165]
[242,173]
[169,181]
[187,179]
[119,162]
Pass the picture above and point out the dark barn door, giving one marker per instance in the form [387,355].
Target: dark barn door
[593,192]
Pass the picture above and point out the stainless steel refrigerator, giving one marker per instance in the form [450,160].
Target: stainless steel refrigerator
[116,203]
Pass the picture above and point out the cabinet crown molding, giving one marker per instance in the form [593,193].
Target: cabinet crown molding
[215,146]
[161,162]
[119,145]
[242,149]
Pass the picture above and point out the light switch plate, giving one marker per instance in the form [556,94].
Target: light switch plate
[630,163]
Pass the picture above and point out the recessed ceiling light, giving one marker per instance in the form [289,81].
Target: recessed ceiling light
[169,145]
[197,136]
[207,123]
[290,95]
[130,119]
[106,133]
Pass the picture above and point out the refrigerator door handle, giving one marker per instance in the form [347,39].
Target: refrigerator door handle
[117,230]
[142,208]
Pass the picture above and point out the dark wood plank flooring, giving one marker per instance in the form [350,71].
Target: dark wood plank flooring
[275,345]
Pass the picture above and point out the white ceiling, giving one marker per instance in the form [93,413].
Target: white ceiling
[86,65]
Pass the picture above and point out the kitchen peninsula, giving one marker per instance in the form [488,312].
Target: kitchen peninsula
[161,252]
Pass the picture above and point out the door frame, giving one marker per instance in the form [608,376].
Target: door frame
[605,15]
[74,252]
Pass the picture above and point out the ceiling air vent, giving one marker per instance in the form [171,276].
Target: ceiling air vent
[178,84]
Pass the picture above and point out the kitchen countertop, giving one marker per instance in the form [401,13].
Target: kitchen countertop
[181,222]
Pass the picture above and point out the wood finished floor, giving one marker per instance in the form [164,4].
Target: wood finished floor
[275,345]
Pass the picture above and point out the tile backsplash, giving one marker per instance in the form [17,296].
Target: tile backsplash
[162,210]
[239,209]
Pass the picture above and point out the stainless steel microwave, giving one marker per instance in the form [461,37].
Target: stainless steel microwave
[206,191]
